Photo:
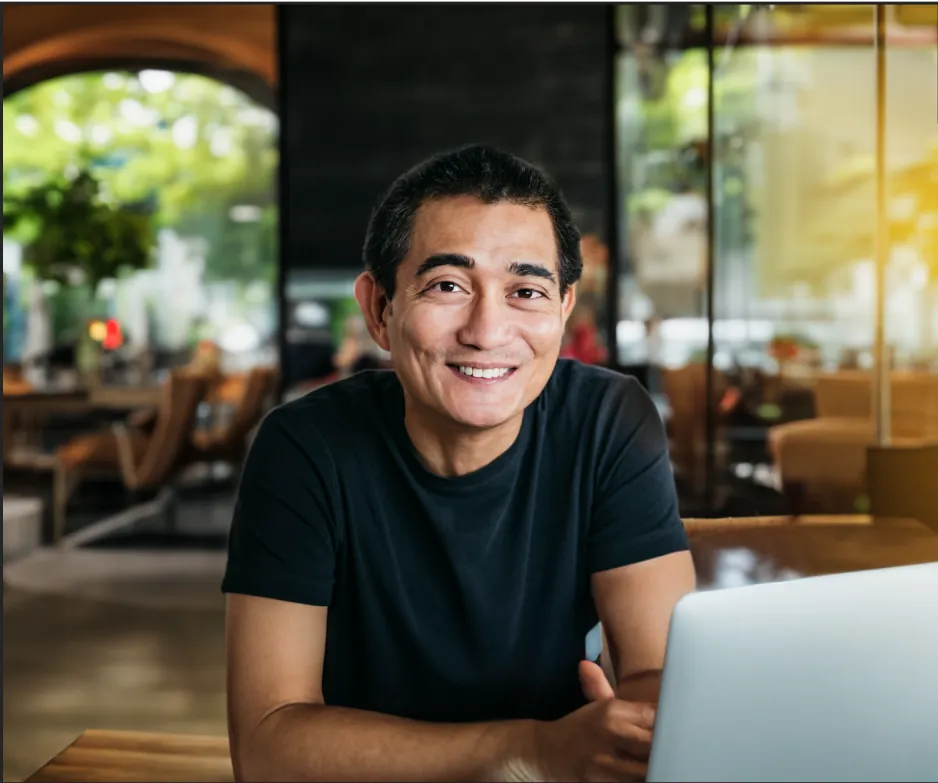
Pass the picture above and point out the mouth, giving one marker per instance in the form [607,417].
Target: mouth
[473,373]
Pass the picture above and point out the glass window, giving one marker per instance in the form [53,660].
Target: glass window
[662,88]
[146,200]
[794,116]
[787,165]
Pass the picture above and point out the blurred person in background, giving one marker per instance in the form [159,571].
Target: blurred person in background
[357,351]
[582,340]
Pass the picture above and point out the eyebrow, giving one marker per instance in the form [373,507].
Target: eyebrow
[531,270]
[520,269]
[445,259]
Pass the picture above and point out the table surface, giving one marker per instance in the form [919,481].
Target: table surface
[114,756]
[739,552]
[726,552]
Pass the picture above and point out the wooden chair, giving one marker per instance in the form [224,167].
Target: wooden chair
[143,460]
[686,389]
[7,436]
[229,443]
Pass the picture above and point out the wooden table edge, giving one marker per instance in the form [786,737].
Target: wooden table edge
[51,760]
[41,775]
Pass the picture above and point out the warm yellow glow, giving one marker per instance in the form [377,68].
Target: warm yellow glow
[97,331]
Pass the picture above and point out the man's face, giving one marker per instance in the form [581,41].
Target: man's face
[475,325]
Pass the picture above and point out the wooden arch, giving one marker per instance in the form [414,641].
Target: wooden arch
[236,44]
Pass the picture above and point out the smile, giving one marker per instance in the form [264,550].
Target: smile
[468,372]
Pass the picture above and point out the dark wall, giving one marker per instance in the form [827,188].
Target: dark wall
[370,90]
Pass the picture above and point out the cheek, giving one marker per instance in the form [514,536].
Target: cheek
[543,331]
[424,331]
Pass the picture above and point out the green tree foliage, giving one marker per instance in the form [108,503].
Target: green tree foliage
[69,228]
[190,147]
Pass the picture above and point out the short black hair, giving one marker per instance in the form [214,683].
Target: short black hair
[484,172]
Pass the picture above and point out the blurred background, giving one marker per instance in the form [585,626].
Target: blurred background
[186,190]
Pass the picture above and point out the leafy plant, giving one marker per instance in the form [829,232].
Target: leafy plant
[67,227]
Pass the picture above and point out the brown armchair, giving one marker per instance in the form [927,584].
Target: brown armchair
[229,443]
[822,462]
[143,460]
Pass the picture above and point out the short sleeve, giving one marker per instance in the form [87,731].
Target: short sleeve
[635,506]
[284,534]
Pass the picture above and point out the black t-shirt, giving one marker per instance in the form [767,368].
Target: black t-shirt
[453,599]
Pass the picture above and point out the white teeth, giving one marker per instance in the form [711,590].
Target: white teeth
[492,372]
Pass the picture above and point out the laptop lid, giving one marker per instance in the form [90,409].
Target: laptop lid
[831,678]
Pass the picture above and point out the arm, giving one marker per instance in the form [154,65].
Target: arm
[640,562]
[281,729]
[634,604]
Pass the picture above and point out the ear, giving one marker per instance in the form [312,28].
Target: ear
[569,302]
[374,305]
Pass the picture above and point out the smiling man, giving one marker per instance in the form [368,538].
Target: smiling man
[417,555]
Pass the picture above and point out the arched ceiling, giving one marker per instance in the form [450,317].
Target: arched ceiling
[234,43]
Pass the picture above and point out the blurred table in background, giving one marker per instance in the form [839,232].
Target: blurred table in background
[26,410]
[126,397]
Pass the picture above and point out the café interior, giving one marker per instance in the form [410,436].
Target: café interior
[757,190]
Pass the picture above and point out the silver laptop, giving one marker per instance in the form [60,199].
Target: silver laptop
[831,678]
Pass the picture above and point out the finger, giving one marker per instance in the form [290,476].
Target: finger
[636,713]
[594,683]
[630,741]
[634,749]
[627,738]
[612,767]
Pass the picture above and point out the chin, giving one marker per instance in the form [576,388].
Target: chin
[482,416]
[485,420]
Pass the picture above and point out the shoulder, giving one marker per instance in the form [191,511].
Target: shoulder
[596,395]
[336,403]
[335,416]
[609,414]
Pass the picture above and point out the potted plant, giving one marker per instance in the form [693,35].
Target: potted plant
[75,237]
[789,347]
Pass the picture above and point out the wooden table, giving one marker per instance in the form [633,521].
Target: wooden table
[730,552]
[128,756]
[24,413]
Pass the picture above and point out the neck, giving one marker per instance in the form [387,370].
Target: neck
[448,449]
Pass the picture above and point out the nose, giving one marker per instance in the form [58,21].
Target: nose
[488,324]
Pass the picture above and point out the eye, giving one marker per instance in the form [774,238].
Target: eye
[528,293]
[445,287]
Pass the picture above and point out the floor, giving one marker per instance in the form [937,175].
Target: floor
[115,635]
[72,663]
[118,637]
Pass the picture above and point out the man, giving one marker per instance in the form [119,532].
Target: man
[417,556]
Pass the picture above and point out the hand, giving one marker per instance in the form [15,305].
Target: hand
[607,740]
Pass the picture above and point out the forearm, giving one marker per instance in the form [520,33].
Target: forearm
[319,742]
[640,686]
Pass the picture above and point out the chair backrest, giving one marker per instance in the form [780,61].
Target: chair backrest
[182,393]
[843,395]
[686,389]
[913,400]
[259,386]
